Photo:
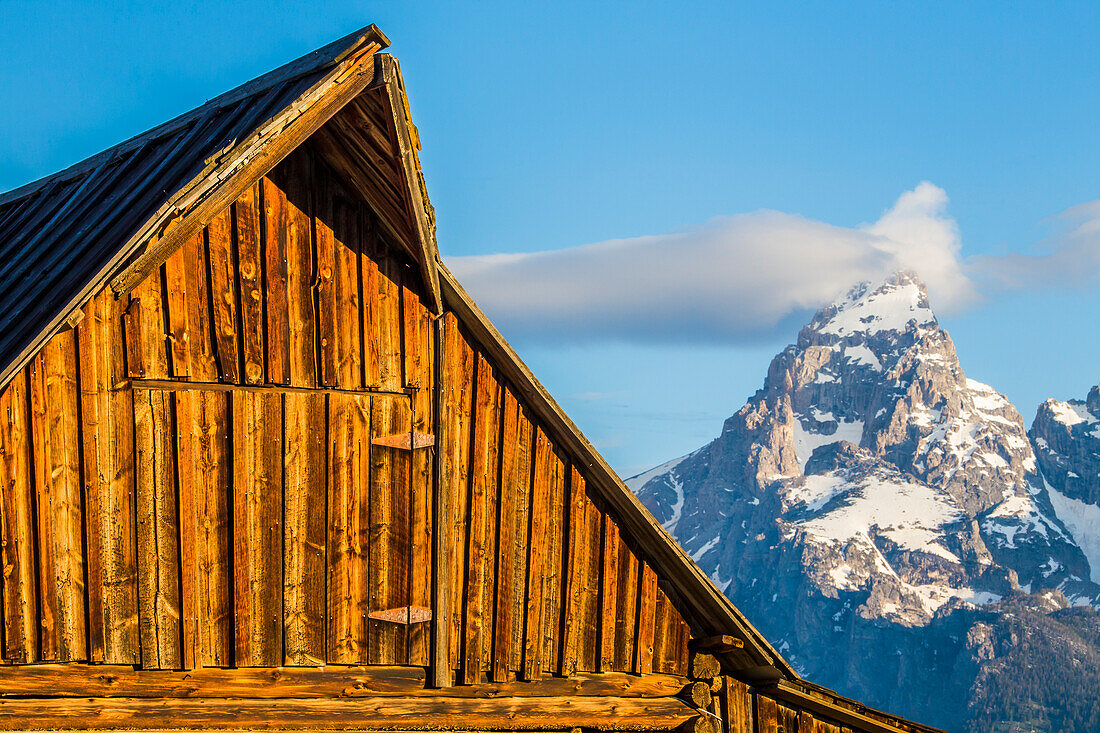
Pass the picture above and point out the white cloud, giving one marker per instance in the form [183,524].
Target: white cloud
[739,277]
[1069,258]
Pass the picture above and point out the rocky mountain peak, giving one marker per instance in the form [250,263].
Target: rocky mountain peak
[894,305]
[870,481]
[869,449]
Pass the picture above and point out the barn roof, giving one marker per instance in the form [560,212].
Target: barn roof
[118,214]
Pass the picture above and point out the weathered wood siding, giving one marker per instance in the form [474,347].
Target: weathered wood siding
[192,476]
[544,582]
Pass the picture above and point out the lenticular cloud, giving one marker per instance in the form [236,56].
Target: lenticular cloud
[732,279]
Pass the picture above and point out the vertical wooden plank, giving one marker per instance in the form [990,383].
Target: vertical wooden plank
[200,336]
[682,663]
[417,349]
[418,336]
[661,633]
[767,715]
[555,567]
[257,528]
[369,257]
[305,527]
[157,531]
[647,608]
[457,383]
[275,306]
[537,556]
[188,531]
[738,707]
[519,482]
[506,526]
[626,608]
[93,418]
[588,651]
[492,501]
[179,336]
[390,501]
[346,283]
[145,337]
[250,258]
[17,525]
[293,177]
[348,528]
[384,308]
[42,468]
[515,485]
[483,483]
[205,469]
[56,448]
[609,588]
[221,261]
[108,452]
[325,243]
[788,719]
[440,673]
[579,547]
[68,513]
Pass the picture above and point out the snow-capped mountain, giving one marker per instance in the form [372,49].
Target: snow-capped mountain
[870,487]
[1066,436]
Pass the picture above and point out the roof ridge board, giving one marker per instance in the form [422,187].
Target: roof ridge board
[249,121]
[314,61]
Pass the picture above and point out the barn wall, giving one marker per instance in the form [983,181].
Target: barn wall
[544,582]
[204,472]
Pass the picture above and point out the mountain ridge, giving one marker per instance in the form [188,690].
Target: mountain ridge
[876,488]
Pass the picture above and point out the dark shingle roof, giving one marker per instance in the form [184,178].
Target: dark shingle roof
[57,234]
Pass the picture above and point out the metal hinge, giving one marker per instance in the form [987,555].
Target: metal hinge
[406,441]
[404,615]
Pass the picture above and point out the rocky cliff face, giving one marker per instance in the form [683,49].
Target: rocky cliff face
[870,496]
[1066,436]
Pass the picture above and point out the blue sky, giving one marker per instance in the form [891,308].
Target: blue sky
[547,127]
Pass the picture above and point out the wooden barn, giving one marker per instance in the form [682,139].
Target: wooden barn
[264,465]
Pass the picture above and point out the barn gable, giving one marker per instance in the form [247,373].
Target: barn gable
[272,432]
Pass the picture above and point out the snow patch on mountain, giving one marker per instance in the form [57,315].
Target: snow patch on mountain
[1069,413]
[809,439]
[1083,522]
[909,514]
[667,473]
[886,308]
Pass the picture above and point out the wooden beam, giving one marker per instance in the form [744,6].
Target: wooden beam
[793,694]
[716,644]
[181,386]
[84,680]
[70,680]
[442,502]
[364,713]
[394,90]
